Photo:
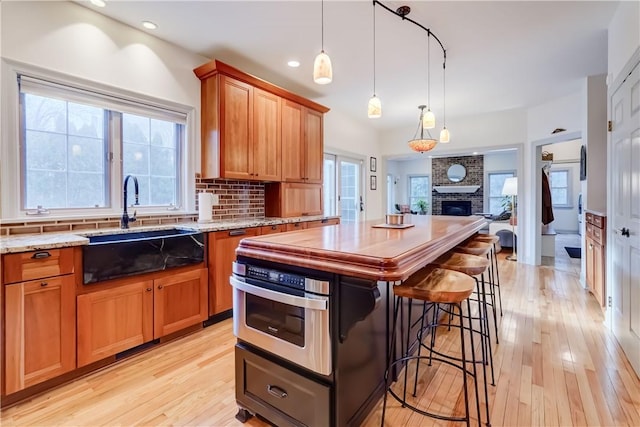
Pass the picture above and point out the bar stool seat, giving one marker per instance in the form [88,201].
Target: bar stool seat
[438,286]
[474,247]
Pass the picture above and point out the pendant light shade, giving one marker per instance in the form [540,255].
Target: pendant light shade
[374,109]
[322,71]
[444,135]
[429,120]
[422,143]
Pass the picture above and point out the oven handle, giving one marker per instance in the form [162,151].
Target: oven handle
[311,303]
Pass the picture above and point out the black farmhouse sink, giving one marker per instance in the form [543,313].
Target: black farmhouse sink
[109,256]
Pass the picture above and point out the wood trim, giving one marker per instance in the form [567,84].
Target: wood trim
[358,249]
[215,67]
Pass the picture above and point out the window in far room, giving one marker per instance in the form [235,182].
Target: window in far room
[419,189]
[496,182]
[559,181]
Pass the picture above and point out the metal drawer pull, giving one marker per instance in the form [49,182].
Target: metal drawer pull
[41,255]
[276,391]
[237,232]
[43,284]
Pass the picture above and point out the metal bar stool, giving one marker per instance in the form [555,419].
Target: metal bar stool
[478,248]
[437,286]
[473,266]
[495,241]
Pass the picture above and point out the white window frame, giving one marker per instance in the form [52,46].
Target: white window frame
[10,152]
[429,190]
[568,204]
[487,189]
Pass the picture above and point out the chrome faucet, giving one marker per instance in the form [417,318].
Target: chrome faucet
[124,222]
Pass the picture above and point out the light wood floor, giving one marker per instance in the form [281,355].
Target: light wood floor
[556,365]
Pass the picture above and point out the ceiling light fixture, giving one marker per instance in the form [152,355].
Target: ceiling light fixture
[149,25]
[322,71]
[293,64]
[99,3]
[427,118]
[374,108]
[422,144]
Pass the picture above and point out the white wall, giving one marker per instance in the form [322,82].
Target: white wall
[566,155]
[624,37]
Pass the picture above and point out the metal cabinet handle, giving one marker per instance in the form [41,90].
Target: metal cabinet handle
[590,246]
[237,232]
[149,289]
[276,391]
[160,286]
[41,255]
[43,284]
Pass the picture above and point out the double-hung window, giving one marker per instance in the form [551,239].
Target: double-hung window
[419,189]
[560,183]
[77,146]
[496,200]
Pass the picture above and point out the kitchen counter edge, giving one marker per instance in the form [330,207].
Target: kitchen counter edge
[34,242]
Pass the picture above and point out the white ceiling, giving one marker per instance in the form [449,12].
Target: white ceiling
[500,54]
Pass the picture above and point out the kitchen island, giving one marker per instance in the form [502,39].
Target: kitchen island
[312,310]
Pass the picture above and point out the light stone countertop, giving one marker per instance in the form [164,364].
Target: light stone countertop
[33,242]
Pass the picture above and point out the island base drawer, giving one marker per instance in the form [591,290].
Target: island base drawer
[279,394]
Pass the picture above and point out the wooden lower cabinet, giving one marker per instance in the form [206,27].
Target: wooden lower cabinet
[179,301]
[222,253]
[595,244]
[40,331]
[138,311]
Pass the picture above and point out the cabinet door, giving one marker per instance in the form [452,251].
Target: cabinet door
[313,155]
[40,331]
[114,320]
[222,253]
[266,136]
[179,301]
[236,128]
[598,273]
[589,263]
[292,141]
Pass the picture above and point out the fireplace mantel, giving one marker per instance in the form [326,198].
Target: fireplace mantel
[456,188]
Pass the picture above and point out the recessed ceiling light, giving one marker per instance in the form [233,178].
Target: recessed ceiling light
[293,64]
[475,153]
[99,3]
[149,25]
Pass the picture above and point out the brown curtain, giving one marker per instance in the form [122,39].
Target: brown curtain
[547,208]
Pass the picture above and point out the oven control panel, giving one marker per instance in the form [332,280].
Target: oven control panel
[274,276]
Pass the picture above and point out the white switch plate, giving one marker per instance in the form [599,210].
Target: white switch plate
[215,200]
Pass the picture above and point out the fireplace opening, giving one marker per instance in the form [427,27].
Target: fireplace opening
[456,207]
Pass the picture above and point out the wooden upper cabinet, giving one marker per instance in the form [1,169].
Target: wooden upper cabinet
[302,144]
[236,128]
[249,124]
[267,146]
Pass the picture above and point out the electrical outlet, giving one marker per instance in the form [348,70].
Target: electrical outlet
[215,200]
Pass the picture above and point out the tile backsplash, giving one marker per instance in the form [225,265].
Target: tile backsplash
[237,200]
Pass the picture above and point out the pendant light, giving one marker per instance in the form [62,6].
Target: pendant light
[429,120]
[422,144]
[444,133]
[322,71]
[374,108]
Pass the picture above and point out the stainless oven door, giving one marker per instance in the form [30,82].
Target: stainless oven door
[293,327]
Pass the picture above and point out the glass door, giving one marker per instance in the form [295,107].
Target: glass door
[343,187]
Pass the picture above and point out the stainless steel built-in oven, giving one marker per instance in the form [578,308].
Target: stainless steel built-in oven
[283,313]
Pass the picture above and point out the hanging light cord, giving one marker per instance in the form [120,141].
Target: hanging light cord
[322,24]
[429,69]
[444,96]
[374,49]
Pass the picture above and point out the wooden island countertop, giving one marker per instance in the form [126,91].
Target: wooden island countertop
[360,250]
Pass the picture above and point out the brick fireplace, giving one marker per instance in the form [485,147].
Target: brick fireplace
[473,202]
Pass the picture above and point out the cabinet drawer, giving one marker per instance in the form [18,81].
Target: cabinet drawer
[270,229]
[598,221]
[323,222]
[286,394]
[595,233]
[37,264]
